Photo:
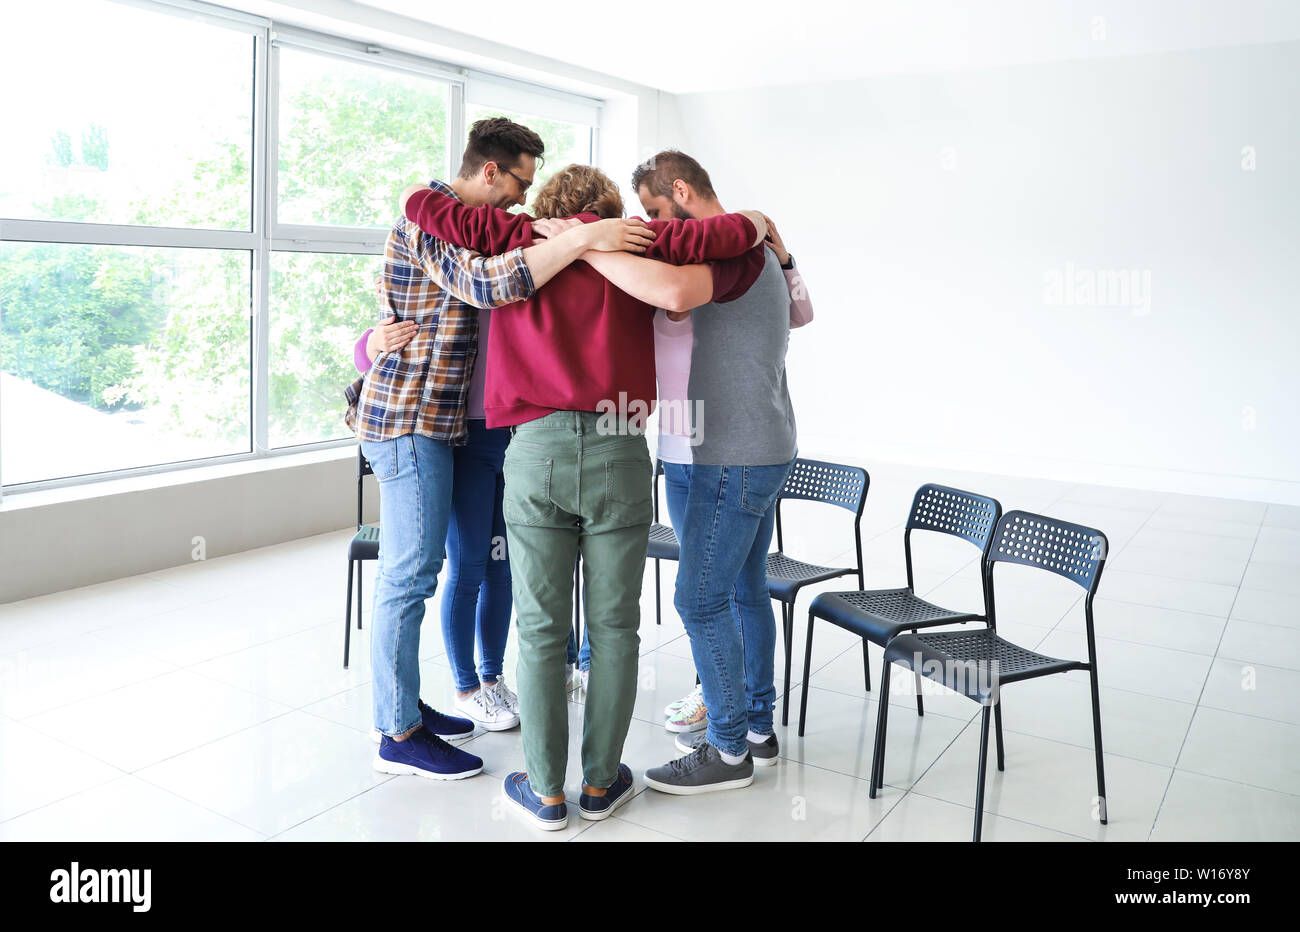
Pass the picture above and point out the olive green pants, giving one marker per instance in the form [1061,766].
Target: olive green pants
[572,486]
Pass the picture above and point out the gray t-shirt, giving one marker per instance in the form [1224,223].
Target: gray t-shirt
[739,404]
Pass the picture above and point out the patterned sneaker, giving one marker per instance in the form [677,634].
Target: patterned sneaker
[520,795]
[446,727]
[569,669]
[764,752]
[701,771]
[595,808]
[426,755]
[676,704]
[691,715]
[487,709]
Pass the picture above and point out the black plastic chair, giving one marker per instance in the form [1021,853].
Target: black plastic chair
[363,546]
[880,615]
[830,484]
[663,543]
[978,663]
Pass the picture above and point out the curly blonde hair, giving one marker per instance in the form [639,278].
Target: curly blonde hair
[577,189]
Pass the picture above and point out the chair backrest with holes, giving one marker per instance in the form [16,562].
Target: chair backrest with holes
[945,510]
[954,511]
[1071,550]
[831,483]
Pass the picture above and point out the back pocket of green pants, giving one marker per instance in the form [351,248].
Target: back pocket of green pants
[527,497]
[627,492]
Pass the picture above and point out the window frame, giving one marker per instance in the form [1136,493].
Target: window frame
[267,235]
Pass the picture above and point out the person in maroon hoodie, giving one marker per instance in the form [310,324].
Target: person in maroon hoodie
[571,372]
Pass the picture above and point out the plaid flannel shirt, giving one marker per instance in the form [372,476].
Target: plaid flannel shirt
[421,388]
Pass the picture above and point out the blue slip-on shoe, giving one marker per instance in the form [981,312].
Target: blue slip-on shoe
[519,794]
[446,727]
[595,808]
[426,755]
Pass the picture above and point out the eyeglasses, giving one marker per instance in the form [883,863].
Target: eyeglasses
[523,185]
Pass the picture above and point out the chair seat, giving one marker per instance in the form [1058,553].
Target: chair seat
[365,543]
[973,663]
[785,575]
[879,615]
[663,543]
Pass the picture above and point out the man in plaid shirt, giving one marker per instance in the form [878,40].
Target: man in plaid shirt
[408,412]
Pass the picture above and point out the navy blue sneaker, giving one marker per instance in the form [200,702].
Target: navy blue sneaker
[426,755]
[550,818]
[446,727]
[595,808]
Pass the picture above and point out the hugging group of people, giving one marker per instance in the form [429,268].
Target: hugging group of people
[502,406]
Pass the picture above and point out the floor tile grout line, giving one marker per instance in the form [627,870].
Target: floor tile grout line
[1200,696]
[1223,779]
[996,815]
[388,778]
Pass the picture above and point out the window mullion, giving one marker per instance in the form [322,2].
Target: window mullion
[263,201]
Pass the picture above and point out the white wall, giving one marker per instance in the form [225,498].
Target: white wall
[927,213]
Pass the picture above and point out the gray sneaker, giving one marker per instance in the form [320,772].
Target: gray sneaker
[701,771]
[763,752]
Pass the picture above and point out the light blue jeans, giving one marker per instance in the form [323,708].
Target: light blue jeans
[415,480]
[725,535]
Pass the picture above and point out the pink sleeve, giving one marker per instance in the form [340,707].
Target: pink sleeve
[801,309]
[360,358]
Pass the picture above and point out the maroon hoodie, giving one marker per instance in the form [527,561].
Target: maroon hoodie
[579,341]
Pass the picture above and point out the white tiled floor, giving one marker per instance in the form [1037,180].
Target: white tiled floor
[209,701]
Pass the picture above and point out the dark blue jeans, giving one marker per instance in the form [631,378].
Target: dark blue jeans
[725,536]
[476,593]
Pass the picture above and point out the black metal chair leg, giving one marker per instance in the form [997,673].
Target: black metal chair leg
[979,783]
[787,620]
[882,725]
[361,571]
[807,666]
[920,700]
[658,617]
[866,665]
[347,617]
[997,719]
[1096,739]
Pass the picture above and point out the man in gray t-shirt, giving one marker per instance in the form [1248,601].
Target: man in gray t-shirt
[743,431]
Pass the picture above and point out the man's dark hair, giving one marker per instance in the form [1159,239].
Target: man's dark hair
[499,140]
[660,171]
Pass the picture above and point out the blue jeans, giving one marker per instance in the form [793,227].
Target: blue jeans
[476,593]
[677,477]
[580,658]
[725,535]
[415,476]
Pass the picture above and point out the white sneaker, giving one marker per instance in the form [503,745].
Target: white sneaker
[568,675]
[505,695]
[583,677]
[486,709]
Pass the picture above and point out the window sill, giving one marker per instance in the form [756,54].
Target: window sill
[17,501]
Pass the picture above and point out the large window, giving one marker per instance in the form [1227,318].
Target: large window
[193,209]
